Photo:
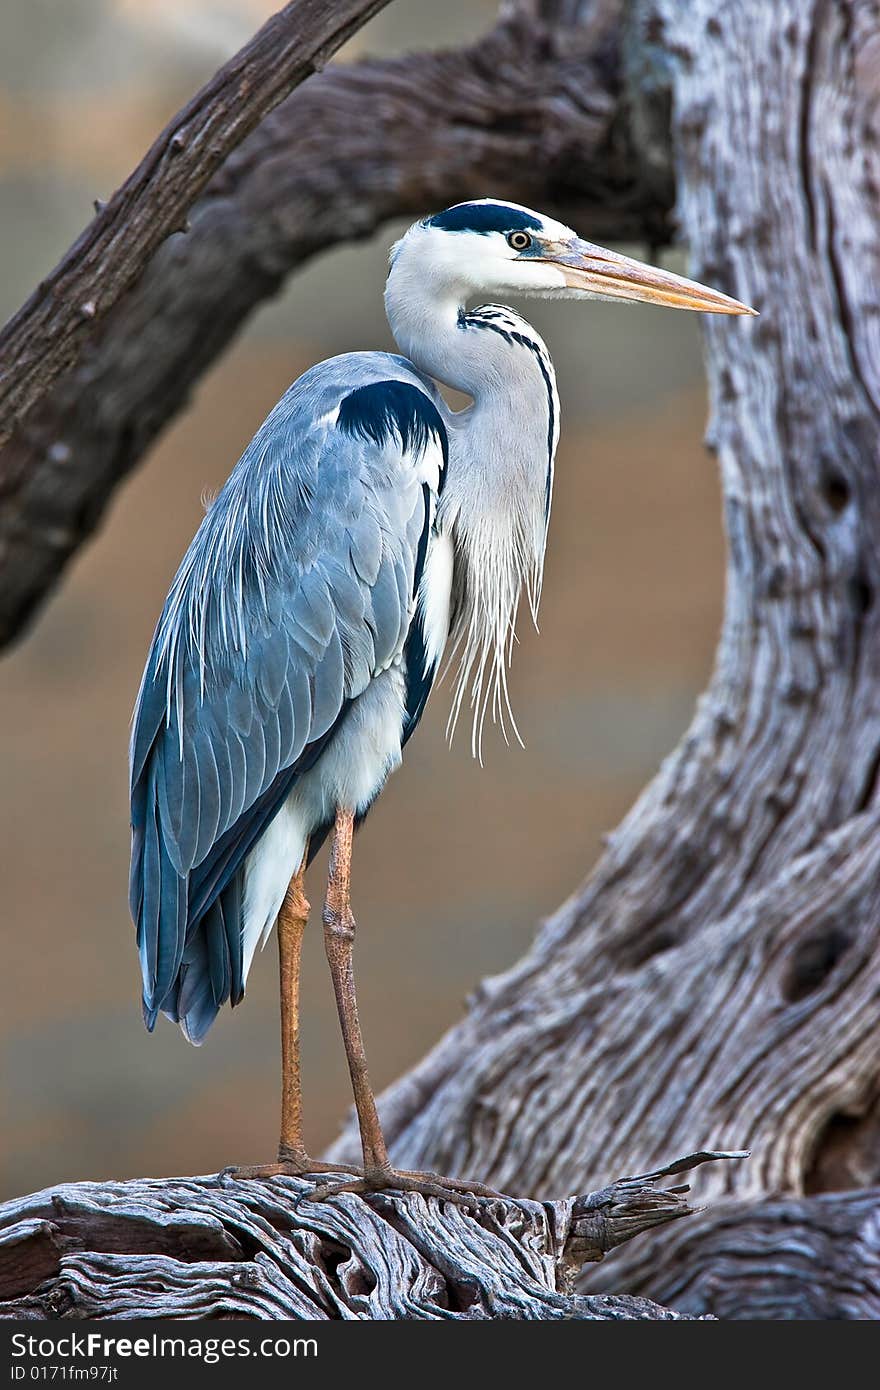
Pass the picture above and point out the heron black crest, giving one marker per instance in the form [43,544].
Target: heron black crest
[484,218]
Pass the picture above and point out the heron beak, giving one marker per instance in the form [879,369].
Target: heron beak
[596,271]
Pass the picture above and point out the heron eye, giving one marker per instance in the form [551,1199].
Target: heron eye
[518,240]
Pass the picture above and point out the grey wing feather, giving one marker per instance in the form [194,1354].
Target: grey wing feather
[297,588]
[385,617]
[365,546]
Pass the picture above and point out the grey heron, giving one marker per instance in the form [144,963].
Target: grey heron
[366,530]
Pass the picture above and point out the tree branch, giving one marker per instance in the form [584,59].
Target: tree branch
[44,337]
[534,112]
[215,1247]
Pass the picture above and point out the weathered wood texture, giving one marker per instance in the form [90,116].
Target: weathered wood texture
[216,1247]
[42,338]
[812,1258]
[532,112]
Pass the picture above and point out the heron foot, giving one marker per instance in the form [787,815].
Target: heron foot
[457,1190]
[287,1165]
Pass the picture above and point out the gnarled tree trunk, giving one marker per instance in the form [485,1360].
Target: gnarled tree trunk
[714,983]
[716,978]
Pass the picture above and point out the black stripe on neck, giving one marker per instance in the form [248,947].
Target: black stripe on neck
[510,335]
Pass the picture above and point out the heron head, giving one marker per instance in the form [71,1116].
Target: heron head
[493,247]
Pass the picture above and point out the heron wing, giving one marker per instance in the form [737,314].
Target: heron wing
[298,588]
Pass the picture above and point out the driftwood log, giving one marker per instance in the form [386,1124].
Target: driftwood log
[217,1247]
[714,984]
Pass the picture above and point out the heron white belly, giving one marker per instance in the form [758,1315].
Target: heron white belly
[350,772]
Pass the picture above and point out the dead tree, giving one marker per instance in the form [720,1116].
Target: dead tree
[713,985]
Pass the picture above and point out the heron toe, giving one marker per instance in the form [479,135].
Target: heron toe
[293,1166]
[456,1190]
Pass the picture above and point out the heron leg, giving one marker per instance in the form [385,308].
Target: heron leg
[339,931]
[339,934]
[293,1159]
[292,920]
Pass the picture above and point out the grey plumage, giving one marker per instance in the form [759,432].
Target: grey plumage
[297,587]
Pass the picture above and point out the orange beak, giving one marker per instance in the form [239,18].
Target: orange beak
[596,271]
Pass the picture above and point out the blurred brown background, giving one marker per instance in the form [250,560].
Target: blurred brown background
[456,863]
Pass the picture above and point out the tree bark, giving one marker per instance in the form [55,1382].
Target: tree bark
[813,1258]
[43,337]
[535,111]
[216,1247]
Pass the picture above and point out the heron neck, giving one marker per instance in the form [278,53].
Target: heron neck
[430,326]
[495,357]
[499,480]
